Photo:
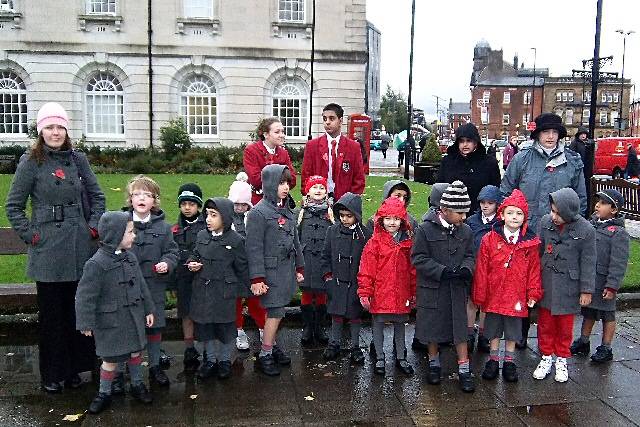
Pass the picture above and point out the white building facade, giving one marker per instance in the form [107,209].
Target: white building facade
[221,65]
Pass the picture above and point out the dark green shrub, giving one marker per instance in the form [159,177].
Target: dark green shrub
[175,138]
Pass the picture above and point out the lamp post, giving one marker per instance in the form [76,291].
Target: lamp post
[533,83]
[624,48]
[409,144]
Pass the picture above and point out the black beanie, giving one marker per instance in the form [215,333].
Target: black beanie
[468,130]
[190,192]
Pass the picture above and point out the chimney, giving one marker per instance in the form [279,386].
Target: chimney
[515,62]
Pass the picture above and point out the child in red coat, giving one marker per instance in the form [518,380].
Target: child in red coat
[387,279]
[507,282]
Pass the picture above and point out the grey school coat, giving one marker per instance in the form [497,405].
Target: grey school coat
[341,258]
[154,243]
[65,241]
[441,305]
[612,256]
[113,299]
[224,272]
[272,244]
[312,232]
[568,258]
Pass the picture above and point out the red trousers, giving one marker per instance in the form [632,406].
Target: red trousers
[555,333]
[307,298]
[257,313]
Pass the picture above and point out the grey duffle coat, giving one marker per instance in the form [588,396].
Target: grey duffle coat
[441,305]
[57,216]
[312,232]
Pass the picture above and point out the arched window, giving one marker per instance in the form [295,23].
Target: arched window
[104,105]
[198,105]
[13,103]
[290,104]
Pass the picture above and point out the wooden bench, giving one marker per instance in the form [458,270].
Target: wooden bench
[629,190]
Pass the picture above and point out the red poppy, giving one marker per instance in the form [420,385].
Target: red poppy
[551,168]
[549,248]
[611,228]
[282,221]
[175,229]
[59,173]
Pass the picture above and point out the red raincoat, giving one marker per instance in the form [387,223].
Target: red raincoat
[255,158]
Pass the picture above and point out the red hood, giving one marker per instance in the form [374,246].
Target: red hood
[518,200]
[393,207]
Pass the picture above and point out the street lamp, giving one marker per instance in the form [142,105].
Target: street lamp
[624,48]
[533,83]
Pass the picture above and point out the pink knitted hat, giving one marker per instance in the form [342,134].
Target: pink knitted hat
[52,113]
[240,190]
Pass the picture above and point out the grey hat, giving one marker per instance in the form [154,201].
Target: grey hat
[456,198]
[612,197]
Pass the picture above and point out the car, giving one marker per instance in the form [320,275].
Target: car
[611,155]
[374,144]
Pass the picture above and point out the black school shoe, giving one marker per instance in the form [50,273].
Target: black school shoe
[579,348]
[332,352]
[491,369]
[73,382]
[190,359]
[224,369]
[165,360]
[52,387]
[99,403]
[356,356]
[510,372]
[207,370]
[267,365]
[117,385]
[483,344]
[141,393]
[280,357]
[433,375]
[602,354]
[467,383]
[157,375]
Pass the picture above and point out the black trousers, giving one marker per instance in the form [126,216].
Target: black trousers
[64,351]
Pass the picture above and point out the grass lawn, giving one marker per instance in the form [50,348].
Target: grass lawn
[12,267]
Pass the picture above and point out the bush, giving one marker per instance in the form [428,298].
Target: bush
[175,138]
[431,152]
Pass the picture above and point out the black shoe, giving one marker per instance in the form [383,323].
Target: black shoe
[268,366]
[404,367]
[318,325]
[491,369]
[307,318]
[379,367]
[579,348]
[52,387]
[467,383]
[224,370]
[602,354]
[280,357]
[510,372]
[471,342]
[117,385]
[73,382]
[417,345]
[356,356]
[433,376]
[207,370]
[157,375]
[99,403]
[190,359]
[332,352]
[483,344]
[165,360]
[141,394]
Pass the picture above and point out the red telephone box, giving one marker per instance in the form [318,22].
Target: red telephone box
[360,130]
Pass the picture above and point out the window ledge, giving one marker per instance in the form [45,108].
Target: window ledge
[100,18]
[14,17]
[277,26]
[212,23]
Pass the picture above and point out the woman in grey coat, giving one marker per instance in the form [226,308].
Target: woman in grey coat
[276,263]
[60,240]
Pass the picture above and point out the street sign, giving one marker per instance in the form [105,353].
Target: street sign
[531,126]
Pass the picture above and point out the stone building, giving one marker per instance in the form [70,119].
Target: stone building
[122,71]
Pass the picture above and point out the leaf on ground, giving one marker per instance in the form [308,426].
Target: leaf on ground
[115,189]
[309,398]
[145,363]
[329,374]
[10,354]
[51,410]
[193,396]
[321,366]
[74,417]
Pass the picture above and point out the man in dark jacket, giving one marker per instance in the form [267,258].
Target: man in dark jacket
[579,145]
[467,161]
[633,164]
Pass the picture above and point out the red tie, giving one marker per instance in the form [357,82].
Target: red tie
[510,239]
[334,157]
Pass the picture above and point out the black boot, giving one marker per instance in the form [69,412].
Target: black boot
[157,375]
[280,357]
[165,360]
[318,324]
[433,376]
[307,318]
[191,356]
[332,352]
[467,383]
[267,365]
[356,356]
[602,354]
[580,348]
[510,372]
[491,369]
[100,403]
[141,393]
[117,385]
[207,370]
[224,370]
[522,344]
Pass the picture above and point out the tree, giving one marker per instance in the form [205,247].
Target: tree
[393,111]
[175,138]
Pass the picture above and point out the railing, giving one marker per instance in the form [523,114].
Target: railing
[629,190]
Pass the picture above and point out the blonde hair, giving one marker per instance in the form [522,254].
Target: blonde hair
[145,183]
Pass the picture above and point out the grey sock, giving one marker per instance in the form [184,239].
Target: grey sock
[153,350]
[105,384]
[135,372]
[494,354]
[336,332]
[607,346]
[509,356]
[463,368]
[399,340]
[434,361]
[210,348]
[378,338]
[355,334]
[226,350]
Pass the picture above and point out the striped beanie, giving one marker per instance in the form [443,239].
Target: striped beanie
[456,198]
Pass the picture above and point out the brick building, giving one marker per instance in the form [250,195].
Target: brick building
[459,114]
[634,118]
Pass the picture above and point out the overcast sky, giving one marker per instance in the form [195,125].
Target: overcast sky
[446,32]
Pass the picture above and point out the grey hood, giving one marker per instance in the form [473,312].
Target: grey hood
[567,202]
[224,206]
[111,228]
[388,187]
[271,175]
[436,193]
[352,203]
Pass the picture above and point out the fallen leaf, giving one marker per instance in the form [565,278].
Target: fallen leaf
[629,346]
[115,189]
[145,363]
[329,374]
[321,366]
[74,417]
[51,410]
[309,398]
[10,354]
[193,396]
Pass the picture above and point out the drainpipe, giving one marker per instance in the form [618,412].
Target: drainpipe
[313,57]
[149,58]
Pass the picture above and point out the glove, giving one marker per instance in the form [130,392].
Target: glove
[35,239]
[94,233]
[464,273]
[366,304]
[449,274]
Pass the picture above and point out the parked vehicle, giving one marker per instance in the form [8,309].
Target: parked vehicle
[611,155]
[374,144]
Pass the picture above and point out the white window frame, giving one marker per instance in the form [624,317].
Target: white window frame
[586,113]
[526,97]
[484,115]
[570,95]
[7,6]
[288,12]
[609,97]
[198,9]
[108,4]
[526,117]
[565,96]
[198,91]
[486,97]
[604,118]
[558,96]
[616,97]
[603,96]
[290,102]
[505,118]
[614,116]
[506,98]
[104,91]
[568,116]
[13,94]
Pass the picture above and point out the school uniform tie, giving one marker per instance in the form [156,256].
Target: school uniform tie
[334,158]
[511,239]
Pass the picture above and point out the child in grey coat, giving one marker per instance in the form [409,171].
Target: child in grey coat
[220,261]
[612,256]
[568,246]
[276,264]
[113,304]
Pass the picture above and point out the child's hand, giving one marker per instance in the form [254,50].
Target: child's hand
[259,288]
[194,266]
[585,299]
[531,303]
[149,320]
[87,333]
[608,295]
[299,277]
[162,267]
[366,304]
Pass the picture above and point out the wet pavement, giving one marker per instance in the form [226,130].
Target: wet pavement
[314,392]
